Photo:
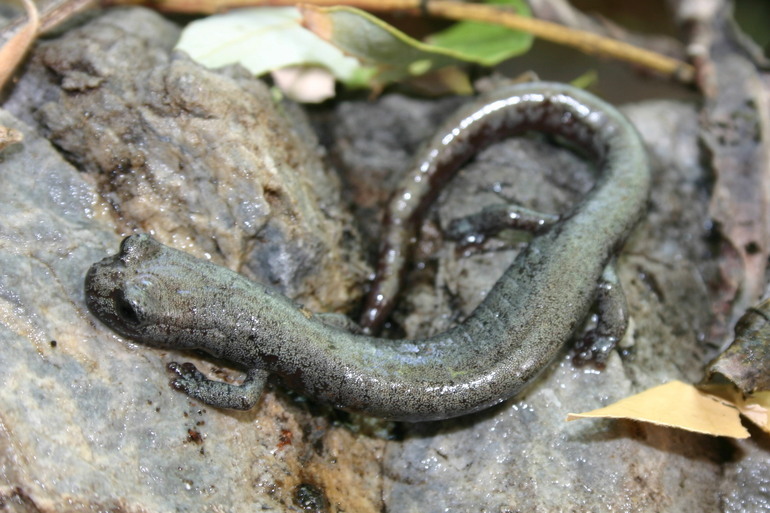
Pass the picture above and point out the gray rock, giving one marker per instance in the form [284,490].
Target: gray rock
[746,483]
[209,162]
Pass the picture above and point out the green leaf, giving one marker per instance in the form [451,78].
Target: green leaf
[484,43]
[393,54]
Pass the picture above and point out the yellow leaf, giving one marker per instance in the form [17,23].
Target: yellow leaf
[755,407]
[678,405]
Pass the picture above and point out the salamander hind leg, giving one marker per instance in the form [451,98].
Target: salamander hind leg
[612,310]
[474,228]
[217,393]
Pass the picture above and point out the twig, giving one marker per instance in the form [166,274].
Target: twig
[57,11]
[16,47]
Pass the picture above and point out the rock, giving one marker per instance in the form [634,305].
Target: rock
[208,162]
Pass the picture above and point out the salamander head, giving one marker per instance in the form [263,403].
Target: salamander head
[135,294]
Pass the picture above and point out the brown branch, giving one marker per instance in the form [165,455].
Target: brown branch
[57,11]
[20,33]
[215,6]
[16,47]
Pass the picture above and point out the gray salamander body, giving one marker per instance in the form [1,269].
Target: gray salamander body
[164,297]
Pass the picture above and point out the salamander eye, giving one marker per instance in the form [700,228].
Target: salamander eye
[125,310]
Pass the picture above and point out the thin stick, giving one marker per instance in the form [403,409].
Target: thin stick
[14,50]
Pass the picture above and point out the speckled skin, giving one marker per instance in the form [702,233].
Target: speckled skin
[164,297]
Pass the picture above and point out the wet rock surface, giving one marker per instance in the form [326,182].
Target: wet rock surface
[211,163]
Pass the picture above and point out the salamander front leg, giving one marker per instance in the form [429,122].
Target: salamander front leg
[494,218]
[217,393]
[612,310]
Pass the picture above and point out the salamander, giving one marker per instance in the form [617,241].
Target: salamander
[163,297]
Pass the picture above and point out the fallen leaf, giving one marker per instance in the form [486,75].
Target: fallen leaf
[262,39]
[755,407]
[483,43]
[9,136]
[677,405]
[396,56]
